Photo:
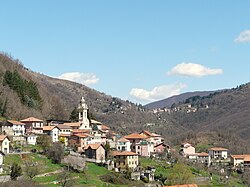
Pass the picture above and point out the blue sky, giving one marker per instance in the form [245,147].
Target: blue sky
[137,50]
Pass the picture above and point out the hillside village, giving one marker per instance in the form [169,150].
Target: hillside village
[97,143]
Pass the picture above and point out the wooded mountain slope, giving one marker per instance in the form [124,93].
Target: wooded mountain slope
[226,122]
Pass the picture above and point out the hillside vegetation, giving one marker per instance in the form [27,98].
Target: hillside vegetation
[226,122]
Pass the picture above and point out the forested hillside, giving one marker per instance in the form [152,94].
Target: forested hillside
[226,122]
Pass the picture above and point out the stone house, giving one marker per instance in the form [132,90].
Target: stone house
[96,152]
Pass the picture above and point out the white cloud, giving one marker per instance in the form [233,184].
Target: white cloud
[157,93]
[193,70]
[244,37]
[82,78]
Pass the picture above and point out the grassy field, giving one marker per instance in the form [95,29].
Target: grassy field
[90,177]
[45,164]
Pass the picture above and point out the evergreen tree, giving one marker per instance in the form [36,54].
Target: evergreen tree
[16,171]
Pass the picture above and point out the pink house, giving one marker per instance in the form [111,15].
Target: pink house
[187,149]
[144,148]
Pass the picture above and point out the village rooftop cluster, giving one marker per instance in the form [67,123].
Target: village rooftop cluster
[88,137]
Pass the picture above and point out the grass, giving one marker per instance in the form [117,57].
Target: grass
[161,167]
[45,164]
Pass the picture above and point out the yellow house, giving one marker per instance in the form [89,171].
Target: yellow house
[125,160]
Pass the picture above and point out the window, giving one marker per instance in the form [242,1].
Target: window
[138,147]
[5,143]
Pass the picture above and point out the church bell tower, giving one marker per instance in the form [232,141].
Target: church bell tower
[83,114]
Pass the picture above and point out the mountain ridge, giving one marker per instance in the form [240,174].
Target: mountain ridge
[168,102]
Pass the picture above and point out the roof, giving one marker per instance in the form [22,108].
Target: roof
[2,137]
[31,119]
[75,124]
[184,185]
[156,135]
[48,128]
[82,135]
[123,153]
[202,154]
[218,149]
[93,146]
[94,121]
[15,122]
[147,133]
[135,136]
[77,131]
[246,158]
[123,140]
[62,126]
[104,127]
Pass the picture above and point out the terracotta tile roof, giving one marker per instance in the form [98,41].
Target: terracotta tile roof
[218,149]
[62,126]
[92,146]
[15,122]
[147,133]
[81,135]
[246,158]
[48,128]
[31,119]
[95,122]
[184,185]
[104,127]
[202,154]
[135,136]
[123,153]
[123,140]
[76,131]
[75,124]
[2,137]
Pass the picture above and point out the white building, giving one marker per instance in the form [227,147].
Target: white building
[52,131]
[123,145]
[218,153]
[4,144]
[83,115]
[13,128]
[31,139]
